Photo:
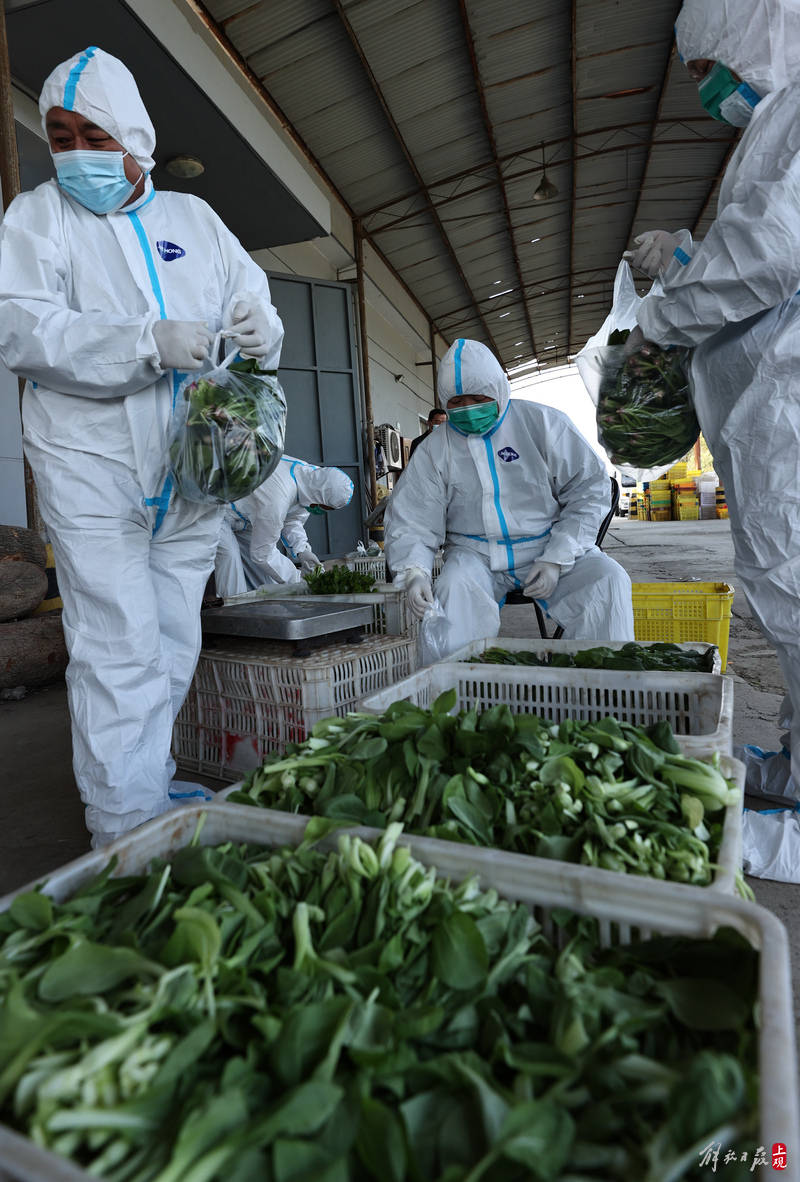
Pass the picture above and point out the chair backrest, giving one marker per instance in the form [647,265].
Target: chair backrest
[609,517]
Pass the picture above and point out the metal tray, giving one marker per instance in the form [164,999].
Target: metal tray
[285,621]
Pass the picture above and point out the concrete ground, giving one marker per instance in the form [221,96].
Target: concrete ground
[41,818]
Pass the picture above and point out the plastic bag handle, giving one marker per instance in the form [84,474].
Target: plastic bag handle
[215,351]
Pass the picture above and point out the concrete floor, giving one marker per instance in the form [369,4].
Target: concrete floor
[41,818]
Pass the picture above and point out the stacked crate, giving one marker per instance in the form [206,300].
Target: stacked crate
[660,500]
[722,504]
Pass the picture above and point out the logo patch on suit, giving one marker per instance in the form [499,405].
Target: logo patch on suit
[507,454]
[169,251]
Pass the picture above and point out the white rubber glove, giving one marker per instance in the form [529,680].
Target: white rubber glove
[182,344]
[250,330]
[542,580]
[308,561]
[420,594]
[655,251]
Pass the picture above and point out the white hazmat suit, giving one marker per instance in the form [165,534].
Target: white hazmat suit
[528,490]
[80,295]
[734,298]
[277,512]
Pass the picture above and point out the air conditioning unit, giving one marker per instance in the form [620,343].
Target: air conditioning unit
[390,442]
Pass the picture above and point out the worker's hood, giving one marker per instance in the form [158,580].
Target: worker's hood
[322,486]
[468,367]
[758,39]
[99,87]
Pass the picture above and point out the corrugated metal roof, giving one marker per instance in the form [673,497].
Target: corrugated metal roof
[431,118]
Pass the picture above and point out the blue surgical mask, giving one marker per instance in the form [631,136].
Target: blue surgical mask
[95,179]
[726,99]
[474,420]
[317,510]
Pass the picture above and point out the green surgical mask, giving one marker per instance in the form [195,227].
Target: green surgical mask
[726,99]
[474,420]
[317,510]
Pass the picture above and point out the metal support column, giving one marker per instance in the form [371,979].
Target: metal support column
[364,342]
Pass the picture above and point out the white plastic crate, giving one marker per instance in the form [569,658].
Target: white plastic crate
[377,566]
[248,699]
[698,706]
[542,648]
[625,911]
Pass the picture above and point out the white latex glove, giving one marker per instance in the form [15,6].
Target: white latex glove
[250,328]
[308,561]
[182,344]
[542,580]
[655,251]
[420,594]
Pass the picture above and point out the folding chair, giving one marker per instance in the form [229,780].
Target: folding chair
[517,597]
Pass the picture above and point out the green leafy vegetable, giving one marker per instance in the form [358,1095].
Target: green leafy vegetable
[349,1017]
[602,793]
[229,433]
[661,655]
[645,416]
[338,581]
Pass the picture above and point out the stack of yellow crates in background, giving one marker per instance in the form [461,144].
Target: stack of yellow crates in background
[722,504]
[660,500]
[685,501]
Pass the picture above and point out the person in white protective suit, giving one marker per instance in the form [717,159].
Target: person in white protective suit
[516,495]
[109,293]
[734,298]
[277,512]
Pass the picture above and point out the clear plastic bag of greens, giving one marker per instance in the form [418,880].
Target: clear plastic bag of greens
[645,416]
[227,431]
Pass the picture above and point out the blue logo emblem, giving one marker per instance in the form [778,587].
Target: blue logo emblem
[169,251]
[507,454]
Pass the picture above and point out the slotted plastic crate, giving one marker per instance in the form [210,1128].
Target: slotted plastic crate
[684,611]
[698,706]
[543,648]
[247,700]
[625,911]
[377,566]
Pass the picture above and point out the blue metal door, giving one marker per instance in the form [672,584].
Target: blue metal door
[319,376]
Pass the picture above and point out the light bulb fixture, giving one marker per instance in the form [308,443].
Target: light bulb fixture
[185,167]
[545,189]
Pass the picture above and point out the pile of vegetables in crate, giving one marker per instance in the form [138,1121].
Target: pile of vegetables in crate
[660,655]
[249,1015]
[645,416]
[228,432]
[339,580]
[601,793]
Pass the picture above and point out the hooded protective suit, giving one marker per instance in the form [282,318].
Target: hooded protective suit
[733,297]
[530,488]
[276,512]
[80,294]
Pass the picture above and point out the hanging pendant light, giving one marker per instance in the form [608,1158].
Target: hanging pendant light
[545,189]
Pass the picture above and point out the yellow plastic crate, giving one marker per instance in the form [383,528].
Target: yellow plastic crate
[684,611]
